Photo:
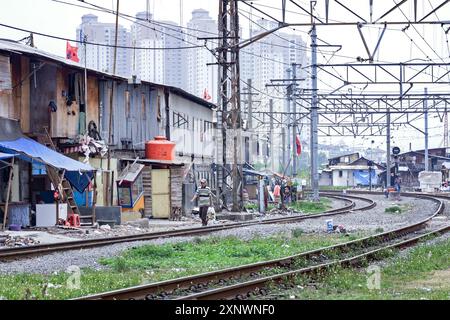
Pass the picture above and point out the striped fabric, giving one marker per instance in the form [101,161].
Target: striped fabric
[203,196]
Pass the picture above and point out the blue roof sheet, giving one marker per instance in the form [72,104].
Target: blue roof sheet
[30,150]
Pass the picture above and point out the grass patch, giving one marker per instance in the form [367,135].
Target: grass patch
[339,188]
[307,206]
[297,232]
[251,206]
[396,209]
[423,274]
[152,263]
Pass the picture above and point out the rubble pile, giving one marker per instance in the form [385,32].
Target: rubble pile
[17,241]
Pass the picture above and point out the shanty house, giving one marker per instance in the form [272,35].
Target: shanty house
[47,93]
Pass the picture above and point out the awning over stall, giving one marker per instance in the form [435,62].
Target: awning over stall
[4,156]
[12,141]
[30,150]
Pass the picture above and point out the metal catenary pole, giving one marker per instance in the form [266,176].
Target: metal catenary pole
[425,110]
[294,121]
[388,149]
[314,118]
[272,145]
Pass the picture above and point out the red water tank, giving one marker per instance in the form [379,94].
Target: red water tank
[160,149]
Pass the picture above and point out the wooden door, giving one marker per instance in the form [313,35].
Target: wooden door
[161,193]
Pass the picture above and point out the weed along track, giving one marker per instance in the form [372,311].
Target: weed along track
[24,252]
[256,279]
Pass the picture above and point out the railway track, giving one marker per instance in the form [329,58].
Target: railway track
[247,280]
[24,252]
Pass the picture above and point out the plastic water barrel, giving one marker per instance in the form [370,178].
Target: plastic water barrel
[160,149]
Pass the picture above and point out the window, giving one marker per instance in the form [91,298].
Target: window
[137,189]
[124,196]
[180,120]
[340,173]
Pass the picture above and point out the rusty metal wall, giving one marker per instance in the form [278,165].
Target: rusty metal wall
[136,123]
[43,89]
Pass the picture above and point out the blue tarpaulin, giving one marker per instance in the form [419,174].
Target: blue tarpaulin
[361,177]
[13,142]
[4,156]
[79,181]
[30,150]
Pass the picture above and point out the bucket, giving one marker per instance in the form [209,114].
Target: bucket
[15,227]
[329,225]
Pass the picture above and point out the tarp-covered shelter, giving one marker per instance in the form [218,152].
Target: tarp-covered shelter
[4,164]
[12,141]
[13,144]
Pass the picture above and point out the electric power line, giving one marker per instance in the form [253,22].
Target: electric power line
[94,43]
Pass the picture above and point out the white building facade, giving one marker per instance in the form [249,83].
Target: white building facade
[160,66]
[199,76]
[267,59]
[102,57]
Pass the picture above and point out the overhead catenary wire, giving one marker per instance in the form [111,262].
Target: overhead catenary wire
[94,43]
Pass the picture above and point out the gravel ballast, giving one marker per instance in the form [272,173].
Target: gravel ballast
[365,221]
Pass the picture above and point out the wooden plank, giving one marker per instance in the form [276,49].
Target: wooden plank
[25,95]
[42,91]
[93,101]
[65,120]
[5,73]
[5,216]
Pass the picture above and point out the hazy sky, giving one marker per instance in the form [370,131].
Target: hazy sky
[424,43]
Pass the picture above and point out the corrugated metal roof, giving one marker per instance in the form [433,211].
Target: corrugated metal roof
[131,172]
[19,48]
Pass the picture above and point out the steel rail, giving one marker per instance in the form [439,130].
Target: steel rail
[248,288]
[40,249]
[242,290]
[149,291]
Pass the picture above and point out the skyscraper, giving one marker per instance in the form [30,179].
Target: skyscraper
[201,78]
[160,66]
[102,57]
[272,58]
[147,64]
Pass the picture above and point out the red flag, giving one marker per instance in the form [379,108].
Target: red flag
[299,145]
[206,95]
[72,52]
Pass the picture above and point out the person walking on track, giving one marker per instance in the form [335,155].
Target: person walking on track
[203,195]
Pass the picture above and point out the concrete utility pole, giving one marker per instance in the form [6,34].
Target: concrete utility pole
[250,105]
[85,84]
[249,101]
[294,120]
[288,127]
[109,182]
[289,158]
[425,109]
[314,116]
